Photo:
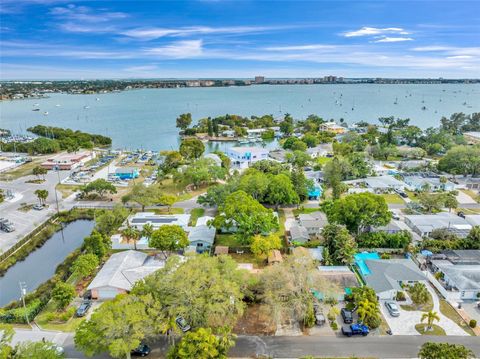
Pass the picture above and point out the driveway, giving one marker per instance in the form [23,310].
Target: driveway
[405,323]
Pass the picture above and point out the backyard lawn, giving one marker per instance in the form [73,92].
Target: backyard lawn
[228,239]
[393,198]
[303,210]
[167,186]
[45,321]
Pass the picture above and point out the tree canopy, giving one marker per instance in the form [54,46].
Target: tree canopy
[359,211]
[249,217]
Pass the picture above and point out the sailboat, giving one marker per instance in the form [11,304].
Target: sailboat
[396,101]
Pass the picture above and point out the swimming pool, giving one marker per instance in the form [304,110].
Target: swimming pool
[360,261]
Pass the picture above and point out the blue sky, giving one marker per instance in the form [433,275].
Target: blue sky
[51,39]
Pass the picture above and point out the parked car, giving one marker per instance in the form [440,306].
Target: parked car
[355,329]
[461,214]
[319,317]
[395,216]
[182,324]
[83,308]
[346,315]
[141,351]
[38,207]
[6,225]
[392,308]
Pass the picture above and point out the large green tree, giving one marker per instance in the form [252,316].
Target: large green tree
[184,120]
[40,350]
[280,191]
[62,294]
[116,327]
[99,186]
[249,217]
[169,238]
[431,350]
[203,344]
[359,211]
[340,244]
[192,148]
[85,265]
[206,291]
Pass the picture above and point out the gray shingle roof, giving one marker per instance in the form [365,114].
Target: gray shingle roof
[123,269]
[385,274]
[201,233]
[299,233]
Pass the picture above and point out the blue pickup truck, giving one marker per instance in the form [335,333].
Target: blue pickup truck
[355,329]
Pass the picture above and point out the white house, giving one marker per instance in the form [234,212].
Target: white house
[138,220]
[121,271]
[244,156]
[424,224]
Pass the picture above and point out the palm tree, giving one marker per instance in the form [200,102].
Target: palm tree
[419,293]
[431,316]
[42,195]
[147,231]
[366,309]
[131,234]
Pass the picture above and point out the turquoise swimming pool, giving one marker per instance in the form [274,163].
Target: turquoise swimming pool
[360,261]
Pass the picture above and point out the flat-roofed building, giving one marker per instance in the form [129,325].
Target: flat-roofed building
[425,224]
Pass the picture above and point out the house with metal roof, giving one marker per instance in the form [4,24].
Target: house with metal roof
[138,220]
[418,183]
[386,276]
[121,271]
[424,224]
[460,272]
[380,184]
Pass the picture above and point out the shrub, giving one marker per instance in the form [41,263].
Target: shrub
[472,323]
[386,256]
[401,296]
[334,325]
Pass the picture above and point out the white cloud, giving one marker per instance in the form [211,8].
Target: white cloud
[370,31]
[177,50]
[393,39]
[84,14]
[157,32]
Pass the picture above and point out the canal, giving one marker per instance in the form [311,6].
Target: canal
[40,265]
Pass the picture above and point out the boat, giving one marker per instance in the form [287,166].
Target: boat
[36,104]
[465,103]
[97,99]
[396,101]
[57,105]
[423,108]
[45,113]
[36,109]
[86,107]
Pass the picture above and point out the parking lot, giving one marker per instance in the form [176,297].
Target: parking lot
[25,222]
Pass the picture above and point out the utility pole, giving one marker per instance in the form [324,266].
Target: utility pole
[57,169]
[23,291]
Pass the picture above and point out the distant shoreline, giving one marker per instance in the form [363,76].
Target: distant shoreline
[6,93]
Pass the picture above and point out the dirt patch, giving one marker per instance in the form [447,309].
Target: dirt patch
[255,321]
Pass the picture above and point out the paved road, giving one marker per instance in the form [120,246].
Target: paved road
[290,347]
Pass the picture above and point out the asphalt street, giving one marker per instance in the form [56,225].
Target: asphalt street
[398,346]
